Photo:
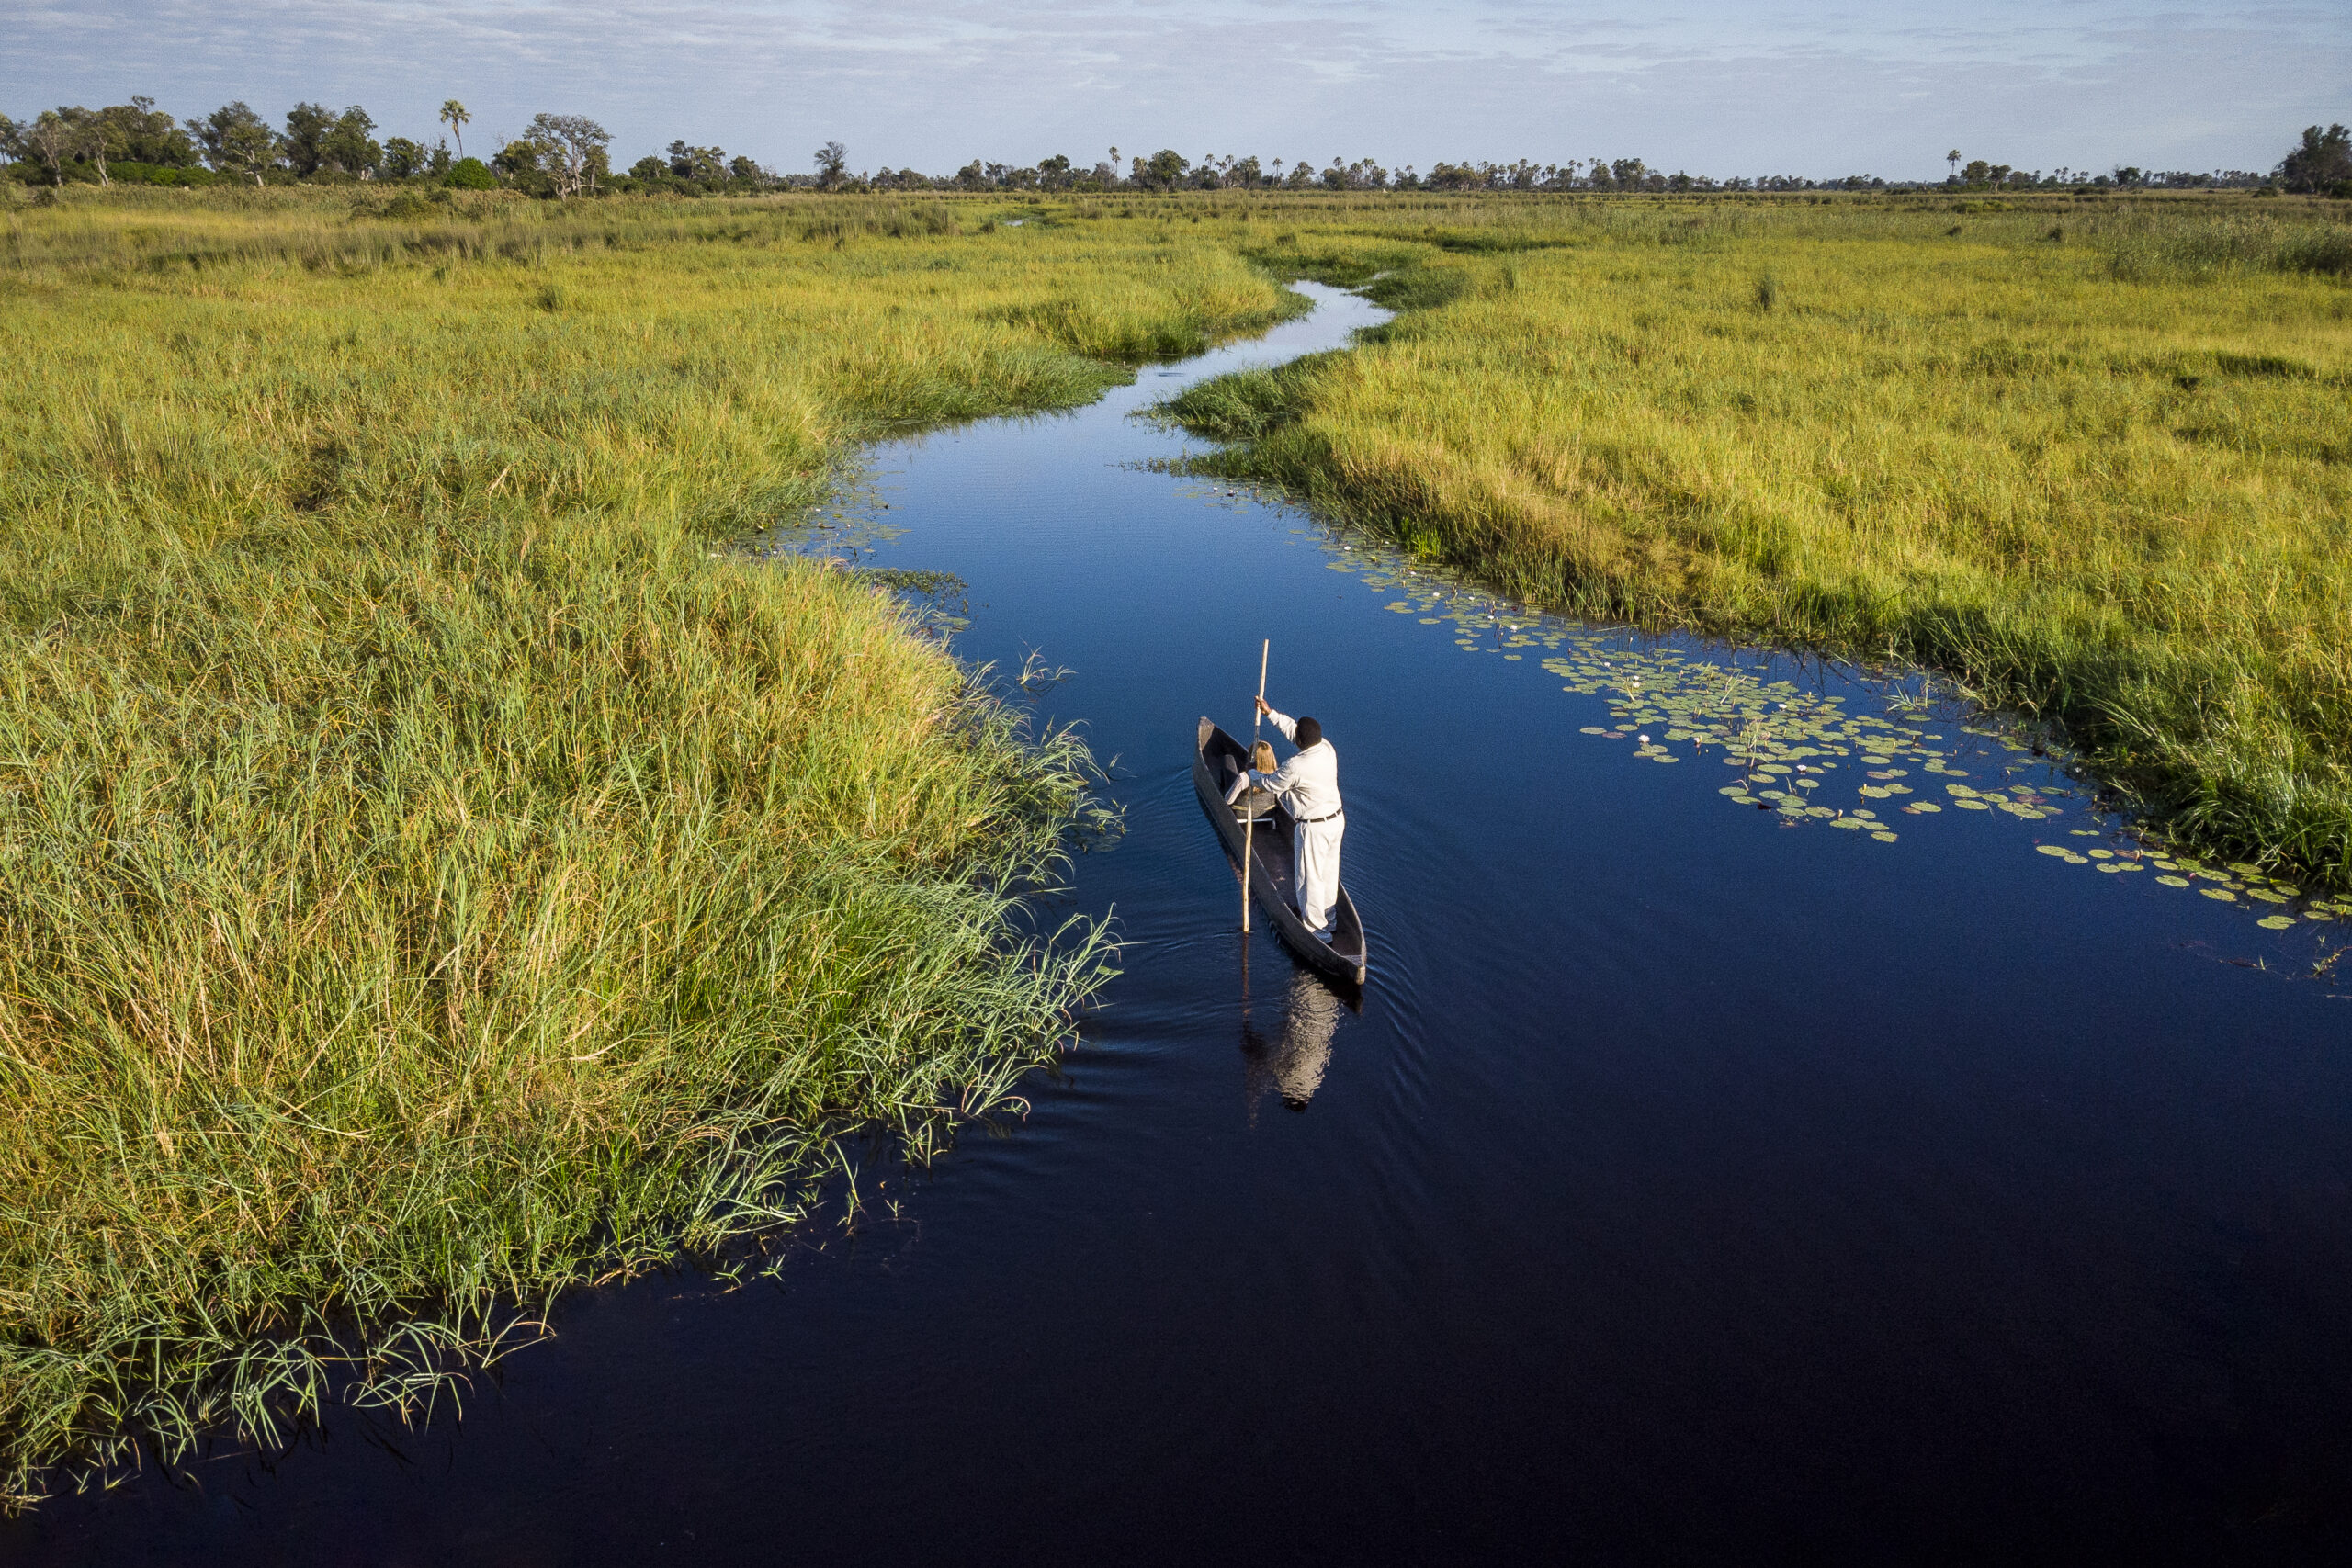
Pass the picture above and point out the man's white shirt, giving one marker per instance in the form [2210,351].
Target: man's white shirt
[1309,782]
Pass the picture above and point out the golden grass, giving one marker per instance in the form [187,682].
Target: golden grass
[429,874]
[2094,462]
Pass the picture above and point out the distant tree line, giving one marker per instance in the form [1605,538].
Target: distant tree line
[556,155]
[565,155]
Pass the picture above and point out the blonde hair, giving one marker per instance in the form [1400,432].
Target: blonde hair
[1262,758]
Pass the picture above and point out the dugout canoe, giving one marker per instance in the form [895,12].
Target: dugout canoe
[1270,879]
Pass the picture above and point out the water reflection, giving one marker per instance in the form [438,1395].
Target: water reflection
[1293,1059]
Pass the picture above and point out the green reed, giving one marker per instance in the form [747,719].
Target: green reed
[431,875]
[2101,476]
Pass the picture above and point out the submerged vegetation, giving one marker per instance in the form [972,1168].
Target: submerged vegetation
[430,872]
[2091,459]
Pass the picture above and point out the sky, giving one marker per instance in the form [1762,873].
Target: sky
[1719,87]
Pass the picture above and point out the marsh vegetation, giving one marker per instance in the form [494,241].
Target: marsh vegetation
[2089,457]
[432,872]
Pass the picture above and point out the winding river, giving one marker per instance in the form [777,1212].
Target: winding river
[1747,1147]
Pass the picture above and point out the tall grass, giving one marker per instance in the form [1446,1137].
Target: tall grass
[2100,468]
[430,874]
[2161,248]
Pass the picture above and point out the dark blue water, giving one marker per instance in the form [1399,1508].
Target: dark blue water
[1696,1183]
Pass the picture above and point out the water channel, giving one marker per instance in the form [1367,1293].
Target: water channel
[1721,1165]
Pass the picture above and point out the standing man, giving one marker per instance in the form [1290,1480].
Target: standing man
[1309,786]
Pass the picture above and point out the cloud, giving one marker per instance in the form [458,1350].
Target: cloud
[1713,85]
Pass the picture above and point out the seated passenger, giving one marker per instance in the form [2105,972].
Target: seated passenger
[1261,799]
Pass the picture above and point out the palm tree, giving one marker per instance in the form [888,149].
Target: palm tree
[454,115]
[1952,158]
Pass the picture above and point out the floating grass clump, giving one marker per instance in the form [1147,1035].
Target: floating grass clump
[2104,484]
[430,874]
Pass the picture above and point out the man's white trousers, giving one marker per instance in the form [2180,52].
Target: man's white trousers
[1314,852]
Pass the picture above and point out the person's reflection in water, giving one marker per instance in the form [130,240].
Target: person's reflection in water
[1293,1064]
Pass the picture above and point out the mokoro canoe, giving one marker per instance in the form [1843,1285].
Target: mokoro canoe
[1270,879]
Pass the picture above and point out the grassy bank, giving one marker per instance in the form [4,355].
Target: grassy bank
[430,876]
[2090,457]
